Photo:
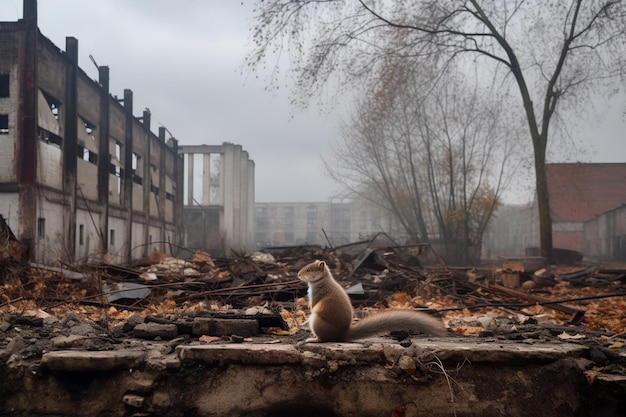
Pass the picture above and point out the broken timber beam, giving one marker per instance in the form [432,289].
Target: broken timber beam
[576,315]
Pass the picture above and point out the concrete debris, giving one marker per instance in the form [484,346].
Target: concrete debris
[11,251]
[167,314]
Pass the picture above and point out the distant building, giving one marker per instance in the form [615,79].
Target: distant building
[511,231]
[80,175]
[578,193]
[219,203]
[605,236]
[336,222]
[587,206]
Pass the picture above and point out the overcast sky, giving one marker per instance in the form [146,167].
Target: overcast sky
[184,60]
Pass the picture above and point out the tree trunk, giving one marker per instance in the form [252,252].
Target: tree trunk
[543,198]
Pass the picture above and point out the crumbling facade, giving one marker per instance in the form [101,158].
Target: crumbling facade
[80,176]
[336,222]
[219,198]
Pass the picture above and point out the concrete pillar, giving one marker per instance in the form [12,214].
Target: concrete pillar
[190,179]
[161,197]
[228,194]
[250,212]
[146,119]
[206,179]
[179,212]
[104,159]
[127,180]
[70,147]
[147,181]
[26,137]
[236,172]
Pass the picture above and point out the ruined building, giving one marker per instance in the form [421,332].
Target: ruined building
[219,198]
[80,176]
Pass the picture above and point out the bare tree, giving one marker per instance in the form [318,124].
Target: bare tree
[555,51]
[436,160]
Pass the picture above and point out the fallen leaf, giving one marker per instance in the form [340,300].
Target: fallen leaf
[280,332]
[590,376]
[566,336]
[209,339]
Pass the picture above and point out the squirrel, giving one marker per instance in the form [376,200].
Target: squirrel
[331,312]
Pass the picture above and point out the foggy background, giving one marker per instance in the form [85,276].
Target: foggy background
[184,61]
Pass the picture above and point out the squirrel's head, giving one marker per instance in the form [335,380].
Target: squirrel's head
[312,271]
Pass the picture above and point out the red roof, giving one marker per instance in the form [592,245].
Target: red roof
[578,191]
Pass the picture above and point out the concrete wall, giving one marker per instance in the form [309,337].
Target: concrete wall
[77,168]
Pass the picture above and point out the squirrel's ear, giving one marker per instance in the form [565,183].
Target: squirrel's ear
[322,265]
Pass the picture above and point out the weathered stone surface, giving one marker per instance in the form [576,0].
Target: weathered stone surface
[479,351]
[351,352]
[163,363]
[372,378]
[153,330]
[73,340]
[224,327]
[241,354]
[132,322]
[15,345]
[83,329]
[71,360]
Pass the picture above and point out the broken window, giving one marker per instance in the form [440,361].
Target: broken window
[81,234]
[48,113]
[137,179]
[41,227]
[88,148]
[50,137]
[115,165]
[4,124]
[154,177]
[87,155]
[4,85]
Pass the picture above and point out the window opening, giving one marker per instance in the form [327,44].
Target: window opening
[115,166]
[4,85]
[86,155]
[137,179]
[154,184]
[87,147]
[81,234]
[41,227]
[4,124]
[112,237]
[49,137]
[54,104]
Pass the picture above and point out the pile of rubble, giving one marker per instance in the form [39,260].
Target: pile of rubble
[198,297]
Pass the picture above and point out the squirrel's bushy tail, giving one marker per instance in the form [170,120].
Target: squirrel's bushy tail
[396,320]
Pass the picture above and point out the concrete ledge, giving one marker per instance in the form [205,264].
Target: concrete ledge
[74,360]
[380,351]
[378,377]
[258,354]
